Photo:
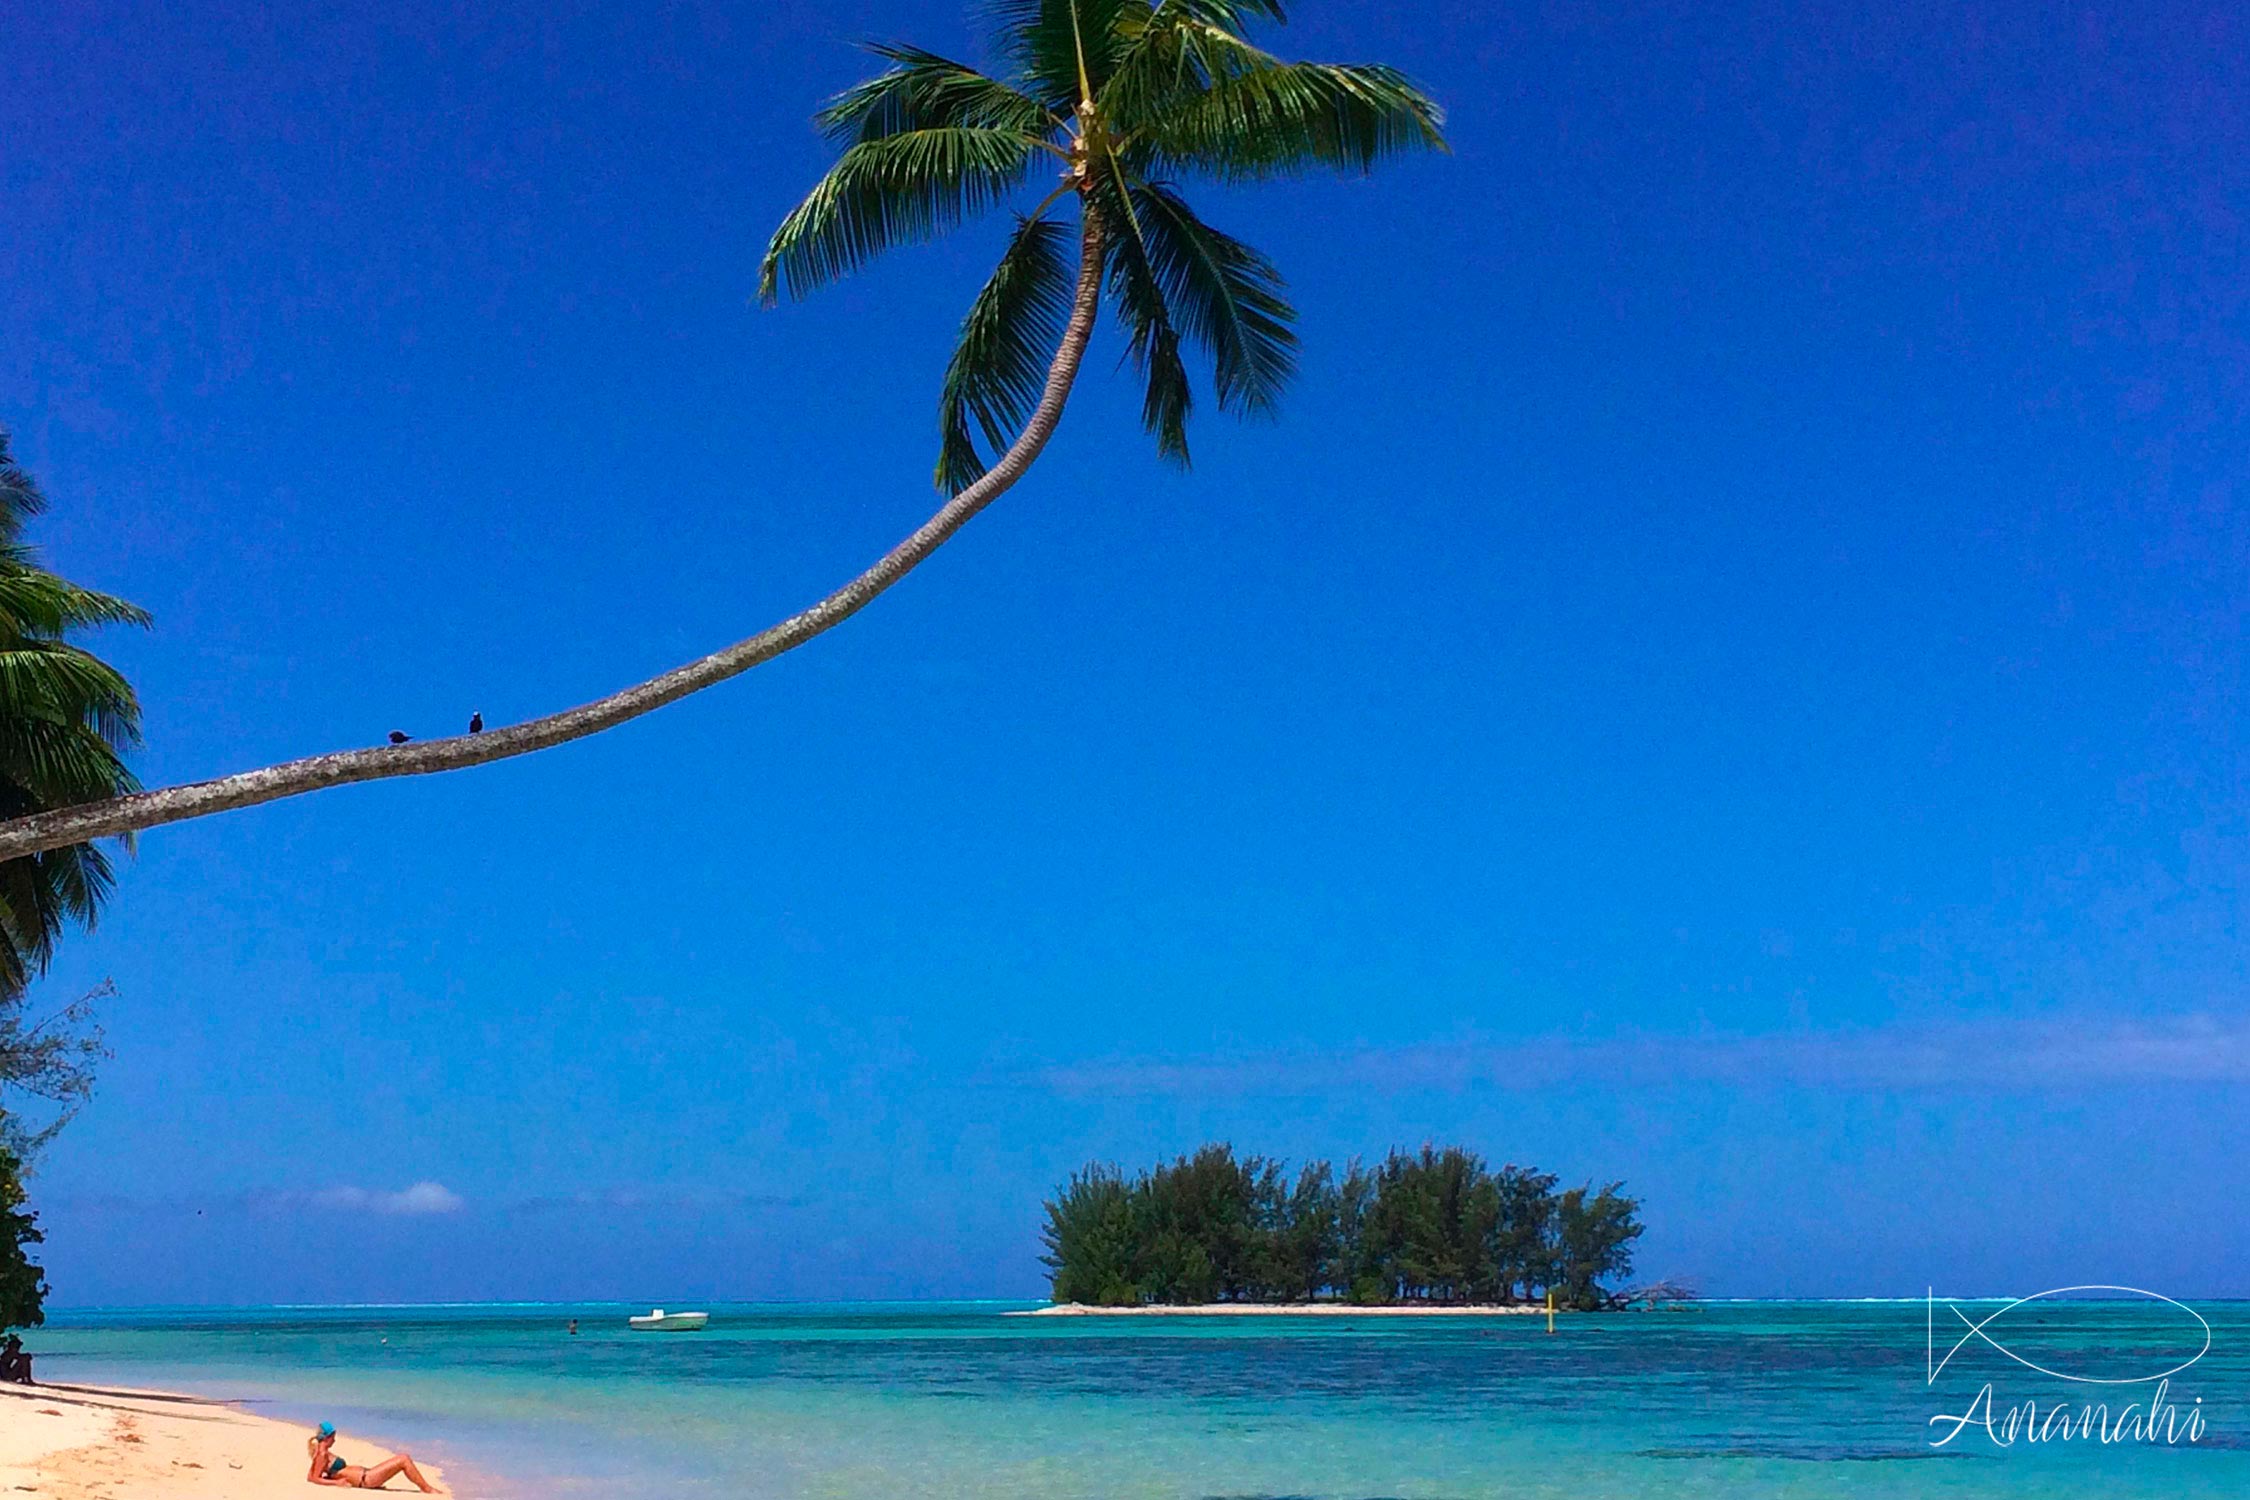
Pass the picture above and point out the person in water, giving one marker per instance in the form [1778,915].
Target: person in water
[329,1468]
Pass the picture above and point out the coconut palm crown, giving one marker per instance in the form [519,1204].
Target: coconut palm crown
[66,720]
[1127,100]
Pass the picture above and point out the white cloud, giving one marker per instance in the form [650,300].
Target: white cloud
[667,1199]
[2047,1052]
[421,1198]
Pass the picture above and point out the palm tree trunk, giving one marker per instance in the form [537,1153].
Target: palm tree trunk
[126,815]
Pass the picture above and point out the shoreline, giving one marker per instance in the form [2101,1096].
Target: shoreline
[1282,1310]
[90,1442]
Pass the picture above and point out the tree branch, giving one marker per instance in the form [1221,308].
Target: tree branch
[123,815]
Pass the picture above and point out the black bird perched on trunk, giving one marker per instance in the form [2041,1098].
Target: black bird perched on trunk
[476,723]
[398,736]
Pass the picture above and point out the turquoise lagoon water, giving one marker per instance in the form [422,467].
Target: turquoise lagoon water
[856,1401]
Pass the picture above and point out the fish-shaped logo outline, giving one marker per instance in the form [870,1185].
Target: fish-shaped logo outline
[1976,1330]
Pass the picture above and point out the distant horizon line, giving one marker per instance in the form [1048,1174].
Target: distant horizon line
[840,1302]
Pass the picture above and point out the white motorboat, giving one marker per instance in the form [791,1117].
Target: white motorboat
[660,1321]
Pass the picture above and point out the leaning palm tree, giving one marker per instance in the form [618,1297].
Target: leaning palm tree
[66,719]
[1126,101]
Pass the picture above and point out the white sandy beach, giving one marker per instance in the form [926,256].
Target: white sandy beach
[88,1443]
[1275,1310]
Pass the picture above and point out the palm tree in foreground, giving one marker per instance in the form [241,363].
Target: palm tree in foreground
[1124,100]
[66,719]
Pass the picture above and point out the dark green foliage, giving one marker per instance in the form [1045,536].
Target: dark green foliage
[66,719]
[1522,1232]
[1209,1221]
[1593,1239]
[892,190]
[1430,1226]
[23,1290]
[1152,341]
[1362,1267]
[1126,101]
[923,91]
[1093,1227]
[1307,1241]
[1224,295]
[1000,368]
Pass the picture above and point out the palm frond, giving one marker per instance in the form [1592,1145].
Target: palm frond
[1290,117]
[20,498]
[1153,342]
[66,716]
[999,367]
[894,190]
[923,91]
[40,895]
[79,885]
[57,764]
[66,684]
[1223,294]
[1180,50]
[1044,42]
[1234,15]
[34,601]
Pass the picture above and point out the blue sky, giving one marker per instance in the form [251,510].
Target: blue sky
[1728,674]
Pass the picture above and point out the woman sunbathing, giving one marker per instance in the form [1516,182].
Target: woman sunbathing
[328,1468]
